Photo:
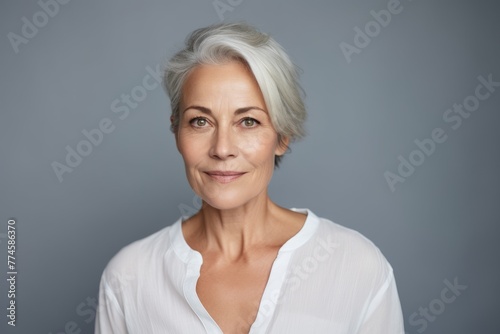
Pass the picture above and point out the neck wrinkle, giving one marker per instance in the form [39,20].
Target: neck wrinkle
[234,233]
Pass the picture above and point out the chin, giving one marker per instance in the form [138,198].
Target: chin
[224,203]
[226,200]
[222,206]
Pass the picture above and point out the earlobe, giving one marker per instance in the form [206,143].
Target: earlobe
[175,132]
[177,142]
[282,146]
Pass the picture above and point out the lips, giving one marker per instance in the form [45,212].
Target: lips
[224,176]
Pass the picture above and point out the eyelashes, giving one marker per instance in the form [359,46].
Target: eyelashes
[202,122]
[249,122]
[198,121]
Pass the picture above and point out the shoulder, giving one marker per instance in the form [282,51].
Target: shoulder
[138,256]
[347,237]
[353,249]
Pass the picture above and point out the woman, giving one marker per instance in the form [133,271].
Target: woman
[242,264]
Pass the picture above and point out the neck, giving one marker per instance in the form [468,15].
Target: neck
[232,233]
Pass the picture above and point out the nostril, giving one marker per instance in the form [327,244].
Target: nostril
[223,145]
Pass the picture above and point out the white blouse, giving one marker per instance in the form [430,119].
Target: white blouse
[325,279]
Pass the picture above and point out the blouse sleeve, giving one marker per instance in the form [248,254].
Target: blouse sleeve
[109,318]
[384,315]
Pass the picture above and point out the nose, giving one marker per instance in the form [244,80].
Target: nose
[223,144]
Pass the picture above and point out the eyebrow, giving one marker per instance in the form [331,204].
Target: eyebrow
[238,111]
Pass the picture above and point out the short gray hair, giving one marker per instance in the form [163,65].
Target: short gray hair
[276,75]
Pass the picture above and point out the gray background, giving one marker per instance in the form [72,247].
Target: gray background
[440,224]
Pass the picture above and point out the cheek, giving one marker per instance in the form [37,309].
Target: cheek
[190,150]
[191,156]
[259,149]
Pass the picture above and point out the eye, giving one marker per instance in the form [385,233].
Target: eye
[249,122]
[198,122]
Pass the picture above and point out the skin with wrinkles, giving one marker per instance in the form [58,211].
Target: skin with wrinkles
[228,144]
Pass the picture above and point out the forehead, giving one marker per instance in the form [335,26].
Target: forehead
[232,81]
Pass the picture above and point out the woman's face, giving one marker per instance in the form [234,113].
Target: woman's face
[225,135]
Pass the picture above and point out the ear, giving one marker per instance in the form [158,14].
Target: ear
[175,133]
[282,146]
[177,142]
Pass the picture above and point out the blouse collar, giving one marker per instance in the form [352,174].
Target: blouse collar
[187,254]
